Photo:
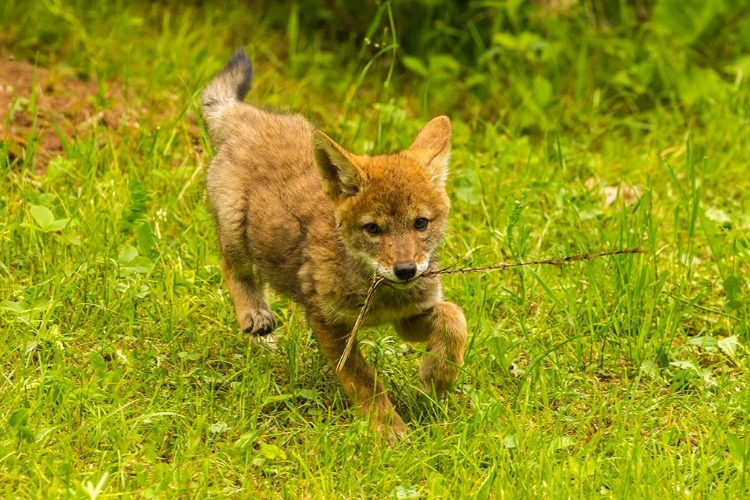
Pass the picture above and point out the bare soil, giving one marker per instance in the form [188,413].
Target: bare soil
[49,107]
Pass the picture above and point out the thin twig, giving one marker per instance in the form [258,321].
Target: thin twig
[376,282]
[557,262]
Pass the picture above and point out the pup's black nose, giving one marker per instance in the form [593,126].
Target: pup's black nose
[405,270]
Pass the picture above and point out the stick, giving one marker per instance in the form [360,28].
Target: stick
[557,262]
[376,282]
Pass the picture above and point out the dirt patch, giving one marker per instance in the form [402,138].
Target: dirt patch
[41,109]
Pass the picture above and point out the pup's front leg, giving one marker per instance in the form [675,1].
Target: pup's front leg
[444,329]
[251,309]
[359,381]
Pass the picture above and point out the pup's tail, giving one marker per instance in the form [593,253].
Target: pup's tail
[227,89]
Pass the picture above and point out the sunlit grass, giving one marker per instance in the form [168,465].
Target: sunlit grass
[123,373]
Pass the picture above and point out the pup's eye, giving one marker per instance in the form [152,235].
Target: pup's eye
[372,228]
[421,224]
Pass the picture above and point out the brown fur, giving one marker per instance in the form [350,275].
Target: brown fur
[291,207]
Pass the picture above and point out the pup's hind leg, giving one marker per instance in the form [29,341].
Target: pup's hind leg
[252,311]
[444,329]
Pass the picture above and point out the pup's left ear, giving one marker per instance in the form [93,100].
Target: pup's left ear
[432,148]
[338,168]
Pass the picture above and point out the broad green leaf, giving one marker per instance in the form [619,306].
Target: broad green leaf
[737,450]
[58,225]
[139,265]
[25,308]
[589,213]
[127,254]
[542,91]
[247,438]
[733,291]
[307,394]
[73,239]
[685,365]
[703,342]
[145,239]
[523,42]
[276,399]
[443,63]
[212,377]
[406,492]
[43,216]
[712,235]
[582,465]
[719,216]
[728,345]
[559,443]
[218,428]
[19,418]
[708,377]
[272,452]
[415,65]
[649,368]
[510,441]
[701,85]
[14,307]
[484,489]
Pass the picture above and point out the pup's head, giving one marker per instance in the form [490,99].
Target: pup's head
[392,209]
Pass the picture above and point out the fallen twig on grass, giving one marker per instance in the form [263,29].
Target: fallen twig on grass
[557,262]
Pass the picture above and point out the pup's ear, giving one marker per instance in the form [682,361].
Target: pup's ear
[337,166]
[432,148]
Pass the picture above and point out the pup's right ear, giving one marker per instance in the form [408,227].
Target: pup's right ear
[338,168]
[432,148]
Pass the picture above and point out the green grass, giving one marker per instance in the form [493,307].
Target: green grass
[124,375]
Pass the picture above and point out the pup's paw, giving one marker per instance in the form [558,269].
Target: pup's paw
[258,322]
[436,375]
[391,428]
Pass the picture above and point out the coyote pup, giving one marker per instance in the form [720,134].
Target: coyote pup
[296,210]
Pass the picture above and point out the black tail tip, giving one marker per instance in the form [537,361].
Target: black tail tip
[240,63]
[239,60]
